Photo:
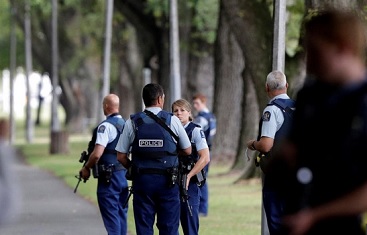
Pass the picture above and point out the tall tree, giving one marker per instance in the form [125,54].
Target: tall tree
[13,51]
[251,24]
[28,63]
[229,64]
[150,21]
[80,52]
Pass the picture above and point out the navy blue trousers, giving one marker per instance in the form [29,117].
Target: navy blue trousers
[153,197]
[274,210]
[111,198]
[204,197]
[190,224]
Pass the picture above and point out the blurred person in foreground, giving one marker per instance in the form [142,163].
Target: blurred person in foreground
[112,187]
[193,164]
[208,123]
[328,140]
[10,195]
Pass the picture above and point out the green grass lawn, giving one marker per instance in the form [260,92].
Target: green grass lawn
[233,208]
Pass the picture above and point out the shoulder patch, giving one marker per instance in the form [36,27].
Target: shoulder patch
[266,116]
[202,134]
[101,129]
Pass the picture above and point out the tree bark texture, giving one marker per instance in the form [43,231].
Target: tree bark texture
[229,64]
[152,38]
[75,72]
[59,142]
[251,23]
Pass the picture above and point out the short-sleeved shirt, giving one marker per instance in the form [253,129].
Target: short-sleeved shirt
[198,138]
[202,121]
[272,118]
[106,133]
[128,135]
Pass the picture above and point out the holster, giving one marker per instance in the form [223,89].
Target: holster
[262,161]
[200,178]
[104,171]
[172,176]
[95,171]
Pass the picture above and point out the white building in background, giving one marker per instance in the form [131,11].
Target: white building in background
[38,83]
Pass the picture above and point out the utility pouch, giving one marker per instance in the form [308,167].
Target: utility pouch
[172,176]
[130,173]
[95,171]
[200,178]
[105,173]
[262,161]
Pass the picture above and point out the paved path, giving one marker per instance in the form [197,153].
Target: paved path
[49,207]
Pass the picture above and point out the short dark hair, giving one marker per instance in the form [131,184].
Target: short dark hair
[151,92]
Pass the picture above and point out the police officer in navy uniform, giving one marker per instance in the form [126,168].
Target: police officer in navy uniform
[154,163]
[112,188]
[193,164]
[274,124]
[208,123]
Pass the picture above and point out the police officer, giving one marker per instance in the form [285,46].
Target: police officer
[112,188]
[273,126]
[154,163]
[208,123]
[200,157]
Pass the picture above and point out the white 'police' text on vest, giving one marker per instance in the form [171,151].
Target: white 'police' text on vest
[146,143]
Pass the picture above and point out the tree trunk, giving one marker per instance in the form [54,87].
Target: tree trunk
[77,76]
[296,72]
[251,24]
[152,36]
[229,64]
[29,68]
[200,76]
[131,73]
[59,142]
[337,4]
[199,71]
[245,158]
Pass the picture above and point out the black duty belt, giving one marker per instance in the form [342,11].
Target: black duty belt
[113,167]
[109,151]
[155,171]
[158,154]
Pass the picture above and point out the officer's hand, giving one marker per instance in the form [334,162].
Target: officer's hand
[84,173]
[250,145]
[188,181]
[300,223]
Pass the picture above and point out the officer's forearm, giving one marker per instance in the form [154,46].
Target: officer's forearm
[264,145]
[204,159]
[353,203]
[123,159]
[95,155]
[93,159]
